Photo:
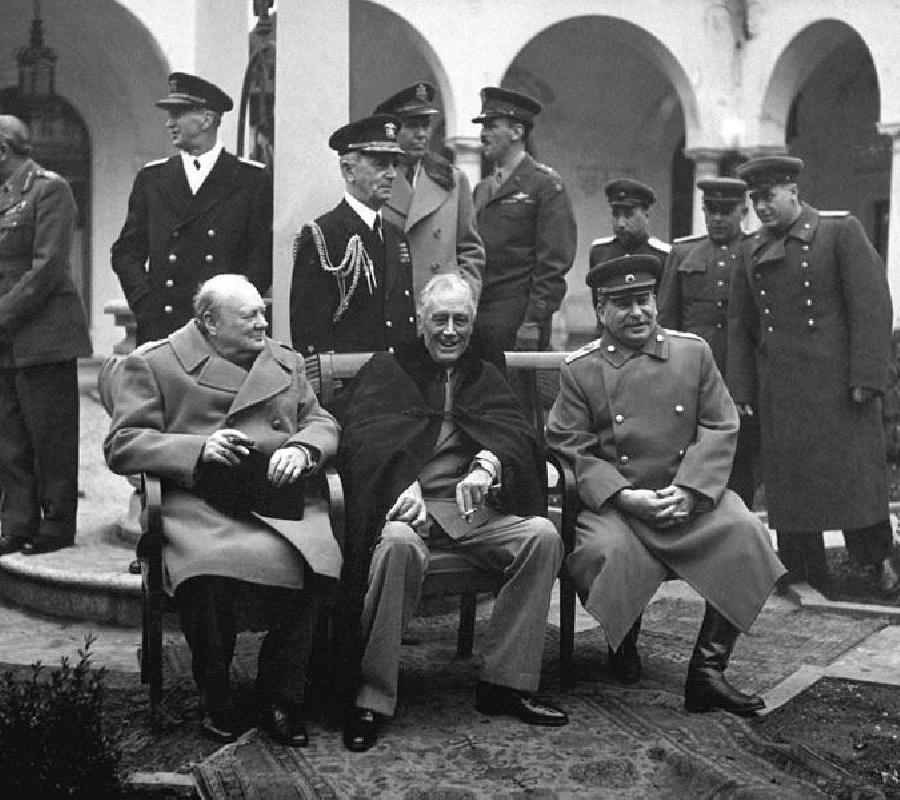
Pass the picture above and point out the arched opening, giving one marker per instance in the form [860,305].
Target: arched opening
[622,114]
[823,100]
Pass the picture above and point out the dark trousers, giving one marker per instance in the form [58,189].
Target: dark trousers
[743,479]
[209,609]
[39,450]
[803,552]
[498,321]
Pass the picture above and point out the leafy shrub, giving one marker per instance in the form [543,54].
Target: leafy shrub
[52,743]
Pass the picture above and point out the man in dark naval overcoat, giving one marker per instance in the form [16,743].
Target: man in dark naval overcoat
[352,288]
[42,333]
[645,420]
[200,213]
[810,339]
[629,207]
[526,220]
[431,201]
[693,297]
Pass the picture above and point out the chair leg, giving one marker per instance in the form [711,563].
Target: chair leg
[153,649]
[465,638]
[566,632]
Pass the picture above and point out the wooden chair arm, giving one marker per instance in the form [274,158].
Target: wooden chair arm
[334,493]
[150,546]
[568,490]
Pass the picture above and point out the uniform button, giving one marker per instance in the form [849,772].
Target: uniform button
[757,276]
[276,424]
[681,453]
[762,292]
[169,283]
[167,309]
[210,233]
[767,311]
[679,409]
[412,319]
[720,283]
[721,263]
[623,459]
[719,304]
[388,323]
[390,349]
[770,329]
[808,302]
[611,348]
[806,284]
[723,247]
[208,258]
[718,326]
[806,248]
[406,292]
[176,234]
[811,322]
[733,256]
[804,264]
[620,418]
[173,257]
[806,225]
[660,337]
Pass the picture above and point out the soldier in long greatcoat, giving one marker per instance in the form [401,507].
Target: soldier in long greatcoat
[645,420]
[810,336]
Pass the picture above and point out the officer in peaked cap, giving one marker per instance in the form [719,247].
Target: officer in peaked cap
[526,220]
[431,200]
[352,283]
[629,202]
[694,292]
[197,214]
[644,419]
[811,328]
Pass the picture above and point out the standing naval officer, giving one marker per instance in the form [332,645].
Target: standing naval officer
[352,284]
[526,220]
[693,297]
[42,333]
[431,201]
[810,338]
[629,205]
[200,213]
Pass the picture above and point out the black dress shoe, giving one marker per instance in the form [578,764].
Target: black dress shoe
[494,700]
[219,729]
[11,544]
[625,662]
[45,544]
[361,730]
[284,725]
[707,690]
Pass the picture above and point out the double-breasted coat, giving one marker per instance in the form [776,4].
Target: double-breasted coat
[438,218]
[41,316]
[529,233]
[170,396]
[173,240]
[810,318]
[379,315]
[646,420]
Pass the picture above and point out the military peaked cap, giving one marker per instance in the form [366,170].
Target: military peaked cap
[627,192]
[723,190]
[413,101]
[376,134]
[496,102]
[768,171]
[633,273]
[189,91]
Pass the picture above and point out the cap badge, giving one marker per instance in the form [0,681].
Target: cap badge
[421,92]
[390,130]
[629,278]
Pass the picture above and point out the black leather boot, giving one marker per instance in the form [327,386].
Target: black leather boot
[706,688]
[625,661]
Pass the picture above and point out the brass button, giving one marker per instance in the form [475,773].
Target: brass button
[681,453]
[721,264]
[806,248]
[806,284]
[620,418]
[719,304]
[388,323]
[176,234]
[208,258]
[611,348]
[767,311]
[718,326]
[808,302]
[804,264]
[811,322]
[412,319]
[762,292]
[720,283]
[169,283]
[623,459]
[679,409]
[167,309]
[210,233]
[406,292]
[771,329]
[390,349]
[173,257]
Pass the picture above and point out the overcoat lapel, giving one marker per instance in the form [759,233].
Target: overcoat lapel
[427,198]
[217,186]
[269,375]
[174,187]
[401,199]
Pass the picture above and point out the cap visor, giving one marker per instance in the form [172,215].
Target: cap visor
[631,288]
[378,147]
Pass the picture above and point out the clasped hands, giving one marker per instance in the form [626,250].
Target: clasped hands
[229,446]
[471,492]
[659,508]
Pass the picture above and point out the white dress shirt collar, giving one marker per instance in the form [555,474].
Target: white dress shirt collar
[207,161]
[365,213]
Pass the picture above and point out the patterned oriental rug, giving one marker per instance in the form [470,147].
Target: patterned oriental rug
[621,743]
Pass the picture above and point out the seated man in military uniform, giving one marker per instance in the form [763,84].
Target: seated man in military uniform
[645,420]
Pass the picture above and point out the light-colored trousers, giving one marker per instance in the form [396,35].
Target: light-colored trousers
[525,551]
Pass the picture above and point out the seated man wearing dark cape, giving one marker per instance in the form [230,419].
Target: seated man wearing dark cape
[437,454]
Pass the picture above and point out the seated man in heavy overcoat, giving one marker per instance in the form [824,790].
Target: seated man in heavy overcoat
[436,454]
[211,400]
[645,420]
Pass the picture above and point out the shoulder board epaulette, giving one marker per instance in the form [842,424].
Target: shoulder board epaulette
[42,172]
[659,244]
[156,163]
[146,347]
[544,168]
[834,213]
[694,237]
[750,234]
[602,240]
[251,162]
[583,351]
[683,334]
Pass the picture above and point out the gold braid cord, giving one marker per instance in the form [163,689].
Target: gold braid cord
[356,262]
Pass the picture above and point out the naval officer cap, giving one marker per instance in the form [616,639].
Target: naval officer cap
[631,274]
[189,91]
[413,101]
[723,191]
[496,102]
[628,192]
[375,134]
[768,171]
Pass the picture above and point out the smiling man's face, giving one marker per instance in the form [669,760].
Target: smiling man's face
[629,318]
[447,321]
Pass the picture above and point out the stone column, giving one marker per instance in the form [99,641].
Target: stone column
[893,248]
[312,76]
[706,166]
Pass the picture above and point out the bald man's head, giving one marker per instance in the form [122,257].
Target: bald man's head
[14,134]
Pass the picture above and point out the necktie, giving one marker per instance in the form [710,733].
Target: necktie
[197,163]
[410,173]
[376,228]
[496,183]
